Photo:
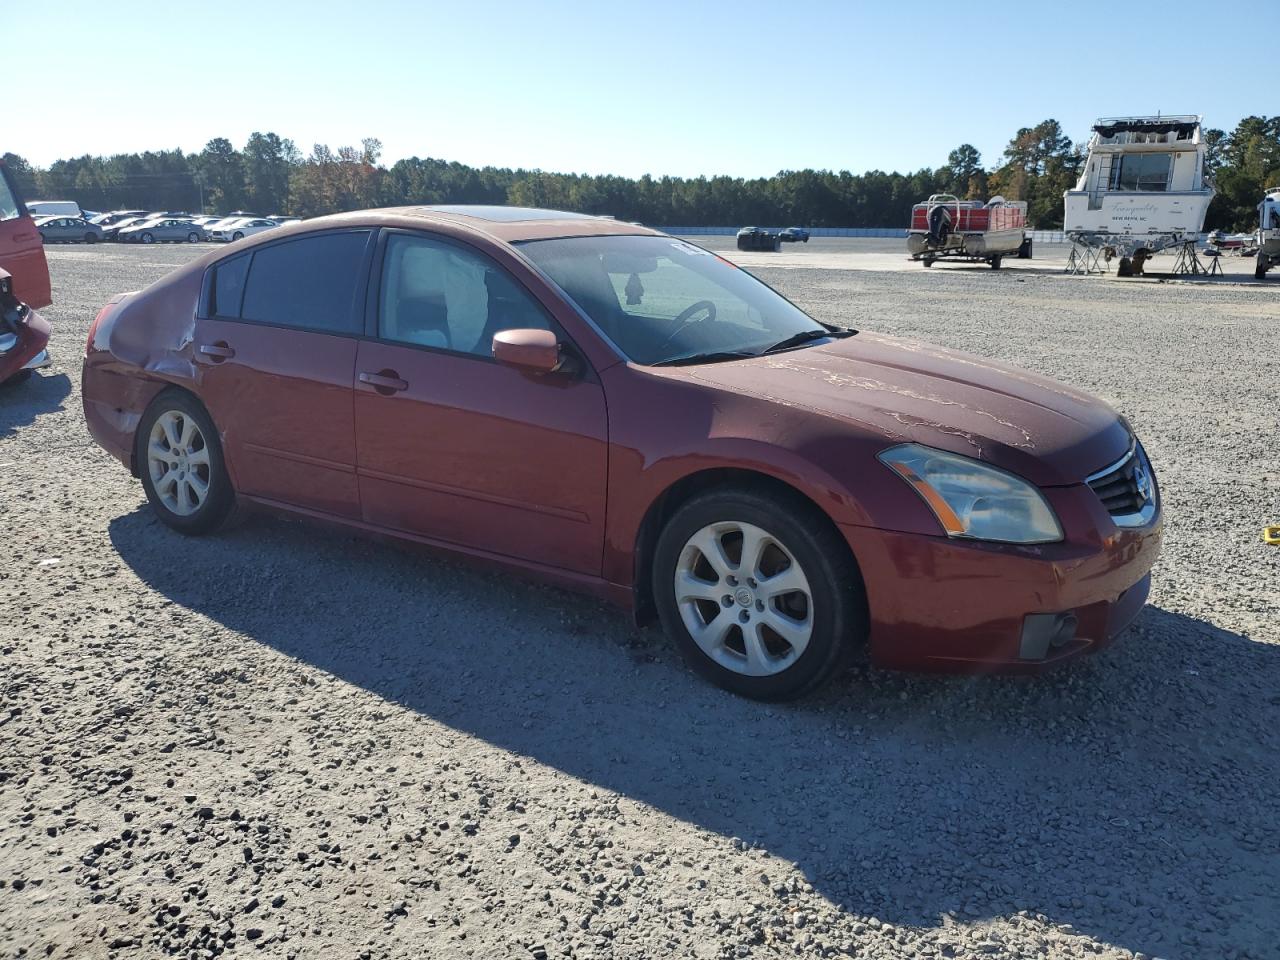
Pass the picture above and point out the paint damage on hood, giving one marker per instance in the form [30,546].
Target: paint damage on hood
[905,391]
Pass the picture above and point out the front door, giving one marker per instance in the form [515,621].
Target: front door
[452,445]
[277,351]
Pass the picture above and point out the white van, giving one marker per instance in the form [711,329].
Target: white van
[53,208]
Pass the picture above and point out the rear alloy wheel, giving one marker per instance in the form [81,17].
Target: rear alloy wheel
[148,238]
[180,460]
[237,235]
[193,237]
[759,591]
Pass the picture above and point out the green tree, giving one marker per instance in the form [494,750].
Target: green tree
[267,161]
[222,168]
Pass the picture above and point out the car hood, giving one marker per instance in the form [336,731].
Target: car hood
[906,391]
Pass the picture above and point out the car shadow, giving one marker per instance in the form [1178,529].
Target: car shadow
[1129,795]
[22,403]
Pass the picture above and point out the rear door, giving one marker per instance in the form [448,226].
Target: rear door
[21,249]
[277,345]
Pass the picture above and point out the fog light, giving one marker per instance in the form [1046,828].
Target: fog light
[1041,631]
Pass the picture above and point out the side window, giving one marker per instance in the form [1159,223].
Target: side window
[228,287]
[308,283]
[8,200]
[436,294]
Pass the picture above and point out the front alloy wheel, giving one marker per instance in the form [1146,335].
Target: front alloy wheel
[759,590]
[744,598]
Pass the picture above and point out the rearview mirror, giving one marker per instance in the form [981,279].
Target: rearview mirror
[536,351]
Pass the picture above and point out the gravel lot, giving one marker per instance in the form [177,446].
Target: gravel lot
[289,740]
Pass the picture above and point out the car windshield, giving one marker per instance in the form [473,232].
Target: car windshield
[662,300]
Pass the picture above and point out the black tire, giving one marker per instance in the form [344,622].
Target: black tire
[1260,270]
[237,235]
[221,498]
[147,238]
[90,238]
[839,610]
[1125,267]
[995,262]
[928,262]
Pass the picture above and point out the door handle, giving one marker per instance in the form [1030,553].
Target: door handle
[386,382]
[217,352]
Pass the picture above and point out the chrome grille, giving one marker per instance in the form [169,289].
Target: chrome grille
[1127,488]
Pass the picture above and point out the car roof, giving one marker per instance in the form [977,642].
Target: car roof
[506,224]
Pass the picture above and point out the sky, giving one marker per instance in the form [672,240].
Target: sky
[743,88]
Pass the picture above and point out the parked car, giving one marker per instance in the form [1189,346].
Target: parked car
[794,235]
[238,229]
[21,249]
[69,230]
[618,411]
[112,232]
[105,220]
[54,208]
[758,238]
[167,230]
[282,220]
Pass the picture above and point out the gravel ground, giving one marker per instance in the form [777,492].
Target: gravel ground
[289,740]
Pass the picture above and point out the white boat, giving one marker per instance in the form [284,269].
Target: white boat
[1268,233]
[1144,186]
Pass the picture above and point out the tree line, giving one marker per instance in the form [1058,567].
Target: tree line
[269,174]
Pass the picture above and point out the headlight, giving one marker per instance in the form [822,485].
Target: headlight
[974,500]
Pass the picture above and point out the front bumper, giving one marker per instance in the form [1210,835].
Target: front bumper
[30,351]
[960,606]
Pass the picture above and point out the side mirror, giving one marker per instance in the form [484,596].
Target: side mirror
[535,351]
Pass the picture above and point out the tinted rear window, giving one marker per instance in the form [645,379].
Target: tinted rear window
[310,282]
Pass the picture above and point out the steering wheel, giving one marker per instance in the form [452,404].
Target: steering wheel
[686,318]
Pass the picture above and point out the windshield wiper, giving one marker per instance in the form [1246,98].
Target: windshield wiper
[805,336]
[713,357]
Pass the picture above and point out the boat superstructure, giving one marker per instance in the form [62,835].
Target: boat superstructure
[1143,187]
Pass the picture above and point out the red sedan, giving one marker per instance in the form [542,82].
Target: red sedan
[619,411]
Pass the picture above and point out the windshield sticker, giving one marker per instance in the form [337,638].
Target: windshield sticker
[689,249]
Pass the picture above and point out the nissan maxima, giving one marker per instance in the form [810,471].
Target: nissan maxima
[618,411]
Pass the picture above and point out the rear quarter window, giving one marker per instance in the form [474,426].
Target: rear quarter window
[228,287]
[309,283]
